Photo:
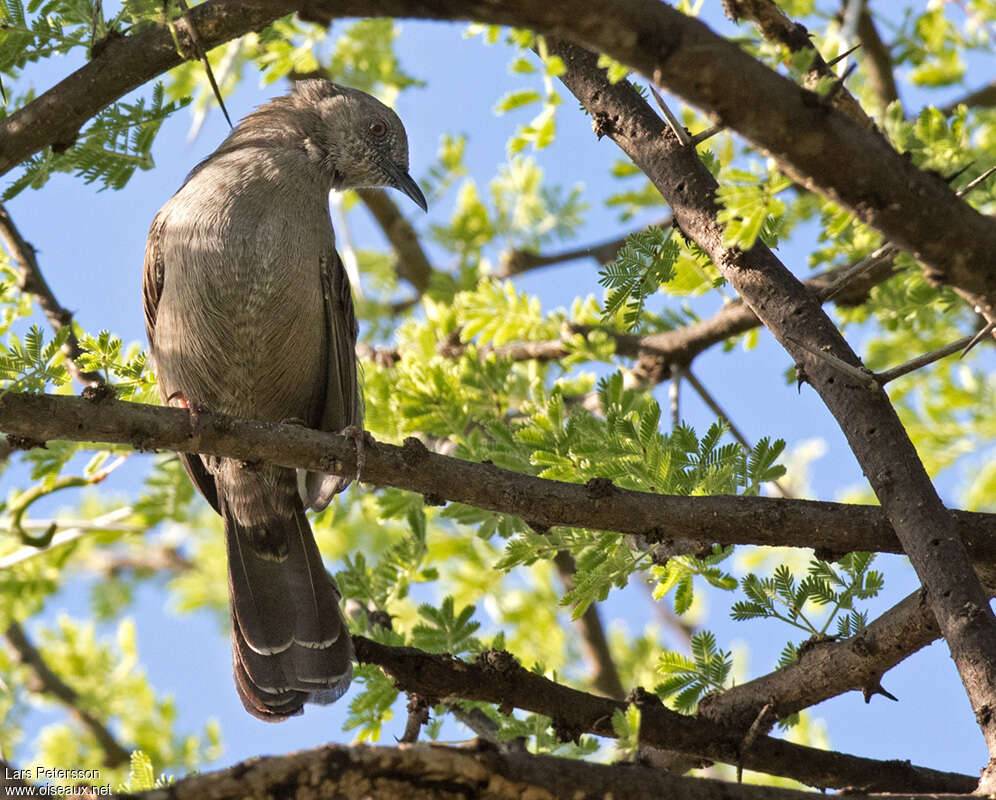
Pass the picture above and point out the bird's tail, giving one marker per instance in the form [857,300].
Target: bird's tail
[290,644]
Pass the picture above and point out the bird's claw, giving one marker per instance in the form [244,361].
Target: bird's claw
[361,439]
[194,408]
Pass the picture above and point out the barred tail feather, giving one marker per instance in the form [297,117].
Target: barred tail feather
[290,644]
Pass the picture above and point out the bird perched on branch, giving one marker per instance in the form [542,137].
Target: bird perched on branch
[248,312]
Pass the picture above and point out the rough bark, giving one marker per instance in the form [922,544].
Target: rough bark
[436,772]
[834,528]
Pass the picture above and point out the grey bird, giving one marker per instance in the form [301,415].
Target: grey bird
[249,312]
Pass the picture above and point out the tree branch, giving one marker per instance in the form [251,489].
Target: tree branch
[435,772]
[873,430]
[496,677]
[515,262]
[827,669]
[51,684]
[656,353]
[983,97]
[594,644]
[656,518]
[879,62]
[31,280]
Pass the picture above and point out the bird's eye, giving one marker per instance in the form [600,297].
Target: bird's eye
[378,129]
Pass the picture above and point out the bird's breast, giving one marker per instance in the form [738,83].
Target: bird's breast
[241,323]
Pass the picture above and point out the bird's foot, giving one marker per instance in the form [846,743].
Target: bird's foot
[294,421]
[179,400]
[361,439]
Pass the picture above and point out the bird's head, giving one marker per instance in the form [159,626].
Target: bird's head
[354,136]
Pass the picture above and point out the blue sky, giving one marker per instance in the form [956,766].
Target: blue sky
[91,247]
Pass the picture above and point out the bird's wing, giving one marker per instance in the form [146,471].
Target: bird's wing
[342,404]
[153,275]
[343,401]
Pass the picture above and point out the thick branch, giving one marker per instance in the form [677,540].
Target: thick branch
[837,527]
[873,430]
[51,684]
[495,677]
[424,772]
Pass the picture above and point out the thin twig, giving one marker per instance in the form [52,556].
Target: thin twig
[674,396]
[484,727]
[49,683]
[31,280]
[107,522]
[879,62]
[978,337]
[344,240]
[884,253]
[927,358]
[515,262]
[595,644]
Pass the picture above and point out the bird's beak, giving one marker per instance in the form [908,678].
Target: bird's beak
[404,182]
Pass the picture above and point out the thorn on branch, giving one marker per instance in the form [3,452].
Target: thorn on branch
[975,182]
[843,55]
[862,374]
[978,338]
[958,172]
[672,120]
[199,53]
[874,688]
[708,133]
[760,725]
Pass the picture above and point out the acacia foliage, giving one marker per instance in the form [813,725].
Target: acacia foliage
[458,579]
